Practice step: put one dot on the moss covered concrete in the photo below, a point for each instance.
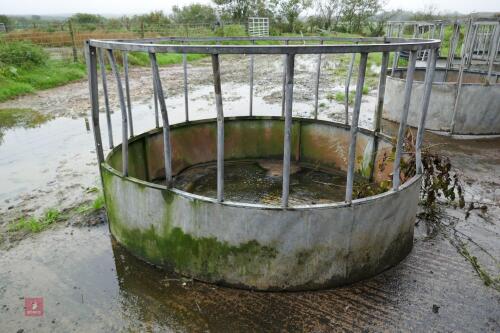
(207, 258)
(255, 247)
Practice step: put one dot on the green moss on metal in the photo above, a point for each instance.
(136, 162)
(204, 257)
(304, 256)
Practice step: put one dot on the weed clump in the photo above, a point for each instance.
(26, 67)
(21, 54)
(96, 205)
(34, 224)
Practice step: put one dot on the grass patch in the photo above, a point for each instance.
(15, 81)
(97, 204)
(25, 68)
(88, 214)
(142, 59)
(339, 97)
(35, 225)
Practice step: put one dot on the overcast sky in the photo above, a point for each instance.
(117, 7)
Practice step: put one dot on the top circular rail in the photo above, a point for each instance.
(378, 44)
(322, 45)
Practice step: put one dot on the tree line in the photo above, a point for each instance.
(352, 16)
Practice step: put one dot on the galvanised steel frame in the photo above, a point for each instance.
(481, 42)
(322, 45)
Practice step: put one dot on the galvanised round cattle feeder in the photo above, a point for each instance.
(465, 99)
(470, 108)
(289, 242)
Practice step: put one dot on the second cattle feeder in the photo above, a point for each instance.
(266, 203)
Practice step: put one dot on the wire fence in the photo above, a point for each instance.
(66, 39)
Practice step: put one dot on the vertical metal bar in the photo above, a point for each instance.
(468, 36)
(473, 42)
(251, 81)
(155, 97)
(186, 97)
(452, 49)
(91, 59)
(220, 128)
(429, 78)
(316, 86)
(432, 34)
(127, 91)
(395, 61)
(484, 34)
(493, 51)
(441, 36)
(354, 127)
(404, 116)
(284, 84)
(123, 109)
(287, 147)
(465, 53)
(106, 97)
(167, 148)
(381, 92)
(346, 91)
(377, 117)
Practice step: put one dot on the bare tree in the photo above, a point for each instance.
(289, 10)
(328, 11)
(355, 13)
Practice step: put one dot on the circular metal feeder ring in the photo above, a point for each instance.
(466, 90)
(475, 111)
(283, 244)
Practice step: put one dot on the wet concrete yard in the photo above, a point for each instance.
(89, 283)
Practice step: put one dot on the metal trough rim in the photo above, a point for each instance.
(354, 202)
(468, 71)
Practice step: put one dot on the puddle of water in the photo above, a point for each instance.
(260, 182)
(59, 155)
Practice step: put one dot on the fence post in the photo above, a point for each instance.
(73, 42)
(142, 29)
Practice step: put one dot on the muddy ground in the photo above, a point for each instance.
(89, 283)
(54, 165)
